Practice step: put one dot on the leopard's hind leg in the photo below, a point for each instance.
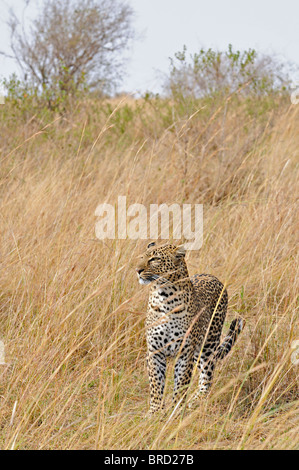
(206, 365)
(214, 351)
(206, 357)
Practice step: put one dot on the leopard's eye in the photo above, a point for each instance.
(153, 260)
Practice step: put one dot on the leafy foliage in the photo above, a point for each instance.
(211, 72)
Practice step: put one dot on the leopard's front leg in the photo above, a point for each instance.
(156, 366)
(183, 372)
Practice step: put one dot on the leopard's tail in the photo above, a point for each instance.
(235, 329)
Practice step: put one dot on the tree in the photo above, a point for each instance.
(208, 72)
(73, 43)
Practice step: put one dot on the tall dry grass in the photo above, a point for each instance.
(72, 312)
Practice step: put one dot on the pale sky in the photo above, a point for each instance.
(270, 26)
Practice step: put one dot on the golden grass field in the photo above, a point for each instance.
(71, 310)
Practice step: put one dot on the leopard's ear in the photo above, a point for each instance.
(151, 244)
(180, 252)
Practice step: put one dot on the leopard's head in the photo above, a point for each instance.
(164, 262)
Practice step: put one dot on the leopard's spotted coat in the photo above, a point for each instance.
(184, 318)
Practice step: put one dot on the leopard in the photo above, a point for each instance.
(184, 320)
